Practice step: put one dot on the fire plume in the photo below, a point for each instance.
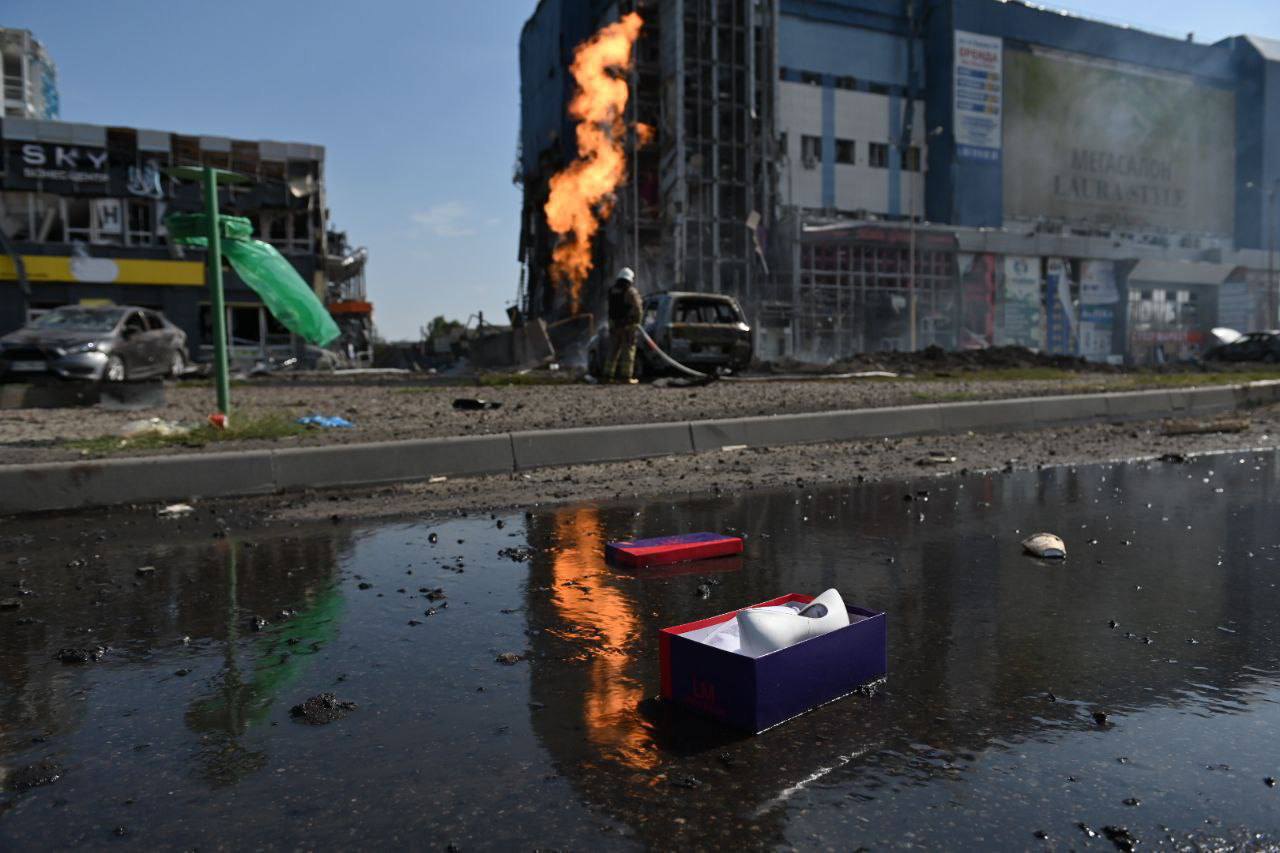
(582, 193)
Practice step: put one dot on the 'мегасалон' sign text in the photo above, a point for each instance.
(1105, 177)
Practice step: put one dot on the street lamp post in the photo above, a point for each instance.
(1273, 297)
(210, 178)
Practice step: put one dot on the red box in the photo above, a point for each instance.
(666, 550)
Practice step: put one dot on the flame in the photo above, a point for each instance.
(582, 193)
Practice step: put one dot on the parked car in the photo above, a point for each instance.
(704, 331)
(110, 344)
(1254, 346)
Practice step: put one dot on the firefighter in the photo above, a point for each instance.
(625, 310)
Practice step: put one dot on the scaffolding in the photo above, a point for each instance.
(852, 288)
(717, 59)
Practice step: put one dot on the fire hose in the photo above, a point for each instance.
(668, 360)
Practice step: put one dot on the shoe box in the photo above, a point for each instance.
(668, 550)
(755, 694)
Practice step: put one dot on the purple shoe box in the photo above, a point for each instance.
(754, 694)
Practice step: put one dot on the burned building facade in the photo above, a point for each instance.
(891, 174)
(82, 208)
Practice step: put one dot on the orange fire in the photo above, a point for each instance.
(582, 193)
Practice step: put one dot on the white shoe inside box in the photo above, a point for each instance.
(757, 631)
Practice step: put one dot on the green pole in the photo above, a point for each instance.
(222, 379)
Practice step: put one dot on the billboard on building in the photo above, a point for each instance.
(978, 96)
(1115, 146)
(1020, 317)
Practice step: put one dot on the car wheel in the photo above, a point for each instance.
(1270, 358)
(114, 371)
(177, 364)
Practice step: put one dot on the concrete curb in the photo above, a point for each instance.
(53, 486)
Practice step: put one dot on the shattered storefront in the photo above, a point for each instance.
(1171, 308)
(856, 288)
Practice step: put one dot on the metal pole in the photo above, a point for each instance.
(221, 378)
(911, 261)
(1272, 309)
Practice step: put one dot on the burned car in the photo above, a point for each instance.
(110, 344)
(703, 331)
(1254, 346)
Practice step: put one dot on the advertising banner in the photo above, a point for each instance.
(1098, 283)
(1060, 308)
(1116, 146)
(1020, 315)
(1098, 298)
(979, 96)
(1096, 323)
(977, 300)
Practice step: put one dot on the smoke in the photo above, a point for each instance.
(582, 193)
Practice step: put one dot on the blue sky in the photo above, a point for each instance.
(415, 101)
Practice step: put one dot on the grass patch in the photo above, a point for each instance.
(243, 428)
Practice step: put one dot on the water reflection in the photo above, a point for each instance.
(984, 731)
(989, 648)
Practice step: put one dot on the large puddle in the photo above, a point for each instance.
(181, 734)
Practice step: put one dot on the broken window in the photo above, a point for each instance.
(912, 163)
(300, 240)
(78, 215)
(141, 222)
(810, 151)
(878, 155)
(15, 215)
(845, 151)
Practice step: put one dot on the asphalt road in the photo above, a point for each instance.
(1127, 695)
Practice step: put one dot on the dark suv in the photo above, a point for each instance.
(704, 331)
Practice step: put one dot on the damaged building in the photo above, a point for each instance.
(82, 208)
(893, 174)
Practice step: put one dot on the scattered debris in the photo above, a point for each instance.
(326, 422)
(175, 510)
(71, 655)
(144, 571)
(475, 404)
(10, 604)
(936, 457)
(44, 772)
(1121, 837)
(1196, 427)
(1174, 458)
(1047, 545)
(436, 594)
(508, 659)
(322, 708)
(1101, 718)
(682, 781)
(522, 554)
(219, 421)
(147, 427)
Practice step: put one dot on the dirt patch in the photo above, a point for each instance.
(410, 409)
(725, 473)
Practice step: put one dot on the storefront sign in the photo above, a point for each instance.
(979, 96)
(49, 161)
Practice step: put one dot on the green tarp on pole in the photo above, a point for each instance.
(264, 269)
